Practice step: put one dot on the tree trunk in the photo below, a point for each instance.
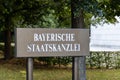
(7, 54)
(7, 40)
(78, 22)
(78, 62)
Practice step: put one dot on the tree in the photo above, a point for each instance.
(19, 12)
(78, 22)
(103, 10)
(97, 8)
(30, 13)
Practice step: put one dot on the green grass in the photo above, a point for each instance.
(13, 72)
(11, 75)
(52, 74)
(113, 74)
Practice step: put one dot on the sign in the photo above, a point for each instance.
(37, 42)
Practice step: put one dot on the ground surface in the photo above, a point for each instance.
(9, 71)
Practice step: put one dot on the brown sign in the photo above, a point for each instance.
(37, 42)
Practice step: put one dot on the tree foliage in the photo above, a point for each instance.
(103, 10)
(31, 13)
(35, 11)
(53, 13)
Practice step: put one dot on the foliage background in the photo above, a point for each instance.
(57, 14)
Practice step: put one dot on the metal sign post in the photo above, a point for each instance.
(79, 68)
(82, 68)
(29, 69)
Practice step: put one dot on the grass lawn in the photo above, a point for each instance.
(113, 74)
(13, 72)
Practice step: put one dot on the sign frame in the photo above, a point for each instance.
(25, 37)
